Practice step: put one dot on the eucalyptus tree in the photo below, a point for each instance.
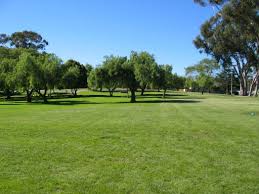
(24, 39)
(231, 37)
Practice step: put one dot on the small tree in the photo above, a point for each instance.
(129, 79)
(166, 77)
(8, 62)
(112, 72)
(144, 64)
(45, 73)
(70, 79)
(203, 73)
(24, 73)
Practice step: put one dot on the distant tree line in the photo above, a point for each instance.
(27, 68)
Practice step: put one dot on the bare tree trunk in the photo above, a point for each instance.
(243, 84)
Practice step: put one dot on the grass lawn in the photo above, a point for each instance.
(187, 143)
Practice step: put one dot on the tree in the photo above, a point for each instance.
(203, 73)
(24, 73)
(8, 62)
(231, 37)
(178, 81)
(82, 78)
(24, 39)
(112, 72)
(128, 77)
(45, 73)
(70, 79)
(166, 77)
(89, 69)
(144, 64)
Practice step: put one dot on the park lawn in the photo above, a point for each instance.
(187, 143)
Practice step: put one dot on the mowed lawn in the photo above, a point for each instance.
(187, 143)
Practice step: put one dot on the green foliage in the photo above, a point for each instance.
(203, 73)
(70, 79)
(25, 39)
(144, 64)
(82, 77)
(178, 82)
(231, 37)
(45, 73)
(112, 72)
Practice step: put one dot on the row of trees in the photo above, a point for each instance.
(231, 37)
(140, 70)
(27, 68)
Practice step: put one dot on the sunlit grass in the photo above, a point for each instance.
(186, 143)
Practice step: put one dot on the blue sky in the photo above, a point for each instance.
(87, 30)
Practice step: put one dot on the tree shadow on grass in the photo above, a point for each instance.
(163, 101)
(82, 102)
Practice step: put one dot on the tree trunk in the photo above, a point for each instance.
(74, 92)
(164, 93)
(133, 96)
(243, 85)
(256, 88)
(142, 91)
(43, 96)
(29, 95)
(8, 94)
(111, 92)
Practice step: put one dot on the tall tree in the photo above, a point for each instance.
(231, 37)
(24, 39)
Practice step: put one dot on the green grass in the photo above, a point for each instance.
(187, 143)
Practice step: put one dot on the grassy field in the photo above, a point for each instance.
(187, 143)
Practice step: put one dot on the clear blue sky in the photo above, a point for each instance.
(87, 30)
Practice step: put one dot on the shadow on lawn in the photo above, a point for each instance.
(68, 99)
(76, 102)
